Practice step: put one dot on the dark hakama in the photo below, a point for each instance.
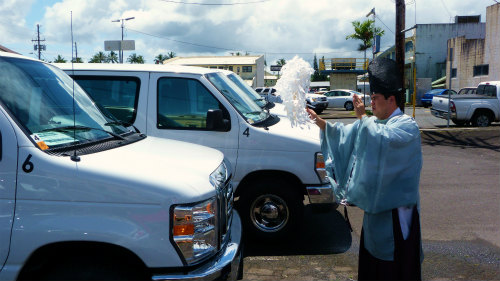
(406, 264)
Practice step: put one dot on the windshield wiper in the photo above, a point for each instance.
(124, 124)
(81, 128)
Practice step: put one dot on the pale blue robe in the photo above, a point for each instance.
(375, 165)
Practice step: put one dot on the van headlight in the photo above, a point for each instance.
(220, 175)
(195, 230)
(319, 167)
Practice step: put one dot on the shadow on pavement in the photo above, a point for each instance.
(488, 139)
(318, 234)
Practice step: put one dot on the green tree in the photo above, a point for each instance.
(317, 76)
(134, 58)
(281, 62)
(171, 55)
(99, 57)
(60, 59)
(160, 58)
(365, 31)
(112, 57)
(77, 60)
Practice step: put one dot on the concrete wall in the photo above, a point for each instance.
(259, 72)
(466, 54)
(431, 45)
(343, 81)
(492, 48)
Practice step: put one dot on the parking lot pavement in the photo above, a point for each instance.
(460, 218)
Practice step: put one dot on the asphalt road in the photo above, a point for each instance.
(460, 217)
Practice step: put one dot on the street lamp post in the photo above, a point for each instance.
(123, 25)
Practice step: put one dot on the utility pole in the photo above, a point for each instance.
(38, 47)
(400, 43)
(121, 43)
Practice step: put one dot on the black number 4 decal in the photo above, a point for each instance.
(246, 133)
(28, 165)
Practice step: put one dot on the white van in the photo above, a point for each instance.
(85, 198)
(275, 165)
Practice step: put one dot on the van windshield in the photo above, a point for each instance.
(40, 98)
(251, 111)
(248, 90)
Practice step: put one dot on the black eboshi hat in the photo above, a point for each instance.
(384, 77)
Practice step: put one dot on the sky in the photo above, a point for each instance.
(273, 28)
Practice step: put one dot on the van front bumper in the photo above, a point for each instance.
(225, 266)
(320, 194)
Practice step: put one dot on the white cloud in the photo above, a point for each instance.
(277, 28)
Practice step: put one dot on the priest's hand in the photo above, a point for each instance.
(359, 107)
(317, 120)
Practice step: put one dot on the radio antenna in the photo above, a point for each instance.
(73, 157)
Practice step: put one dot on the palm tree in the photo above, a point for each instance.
(365, 31)
(113, 57)
(171, 55)
(281, 62)
(99, 57)
(134, 58)
(77, 60)
(60, 59)
(160, 58)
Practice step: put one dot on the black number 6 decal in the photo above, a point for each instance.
(28, 165)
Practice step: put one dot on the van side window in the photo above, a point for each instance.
(118, 95)
(183, 104)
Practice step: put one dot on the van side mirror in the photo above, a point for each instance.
(216, 122)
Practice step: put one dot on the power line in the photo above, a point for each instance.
(384, 23)
(446, 8)
(229, 49)
(215, 4)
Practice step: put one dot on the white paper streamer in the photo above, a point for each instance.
(292, 88)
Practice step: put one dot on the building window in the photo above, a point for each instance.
(238, 69)
(213, 67)
(453, 73)
(231, 67)
(221, 67)
(481, 70)
(247, 68)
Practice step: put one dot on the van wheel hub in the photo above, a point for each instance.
(269, 213)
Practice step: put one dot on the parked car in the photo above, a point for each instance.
(274, 164)
(341, 98)
(317, 102)
(269, 94)
(274, 108)
(427, 97)
(84, 197)
(467, 91)
(480, 109)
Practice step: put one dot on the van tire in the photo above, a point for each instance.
(270, 208)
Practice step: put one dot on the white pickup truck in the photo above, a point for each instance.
(85, 198)
(275, 165)
(479, 109)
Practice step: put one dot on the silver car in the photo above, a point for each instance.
(342, 98)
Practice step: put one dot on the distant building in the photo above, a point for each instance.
(250, 68)
(426, 51)
(475, 60)
(5, 49)
(270, 79)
